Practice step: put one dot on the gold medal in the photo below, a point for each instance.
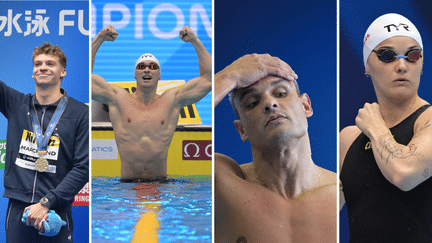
(41, 164)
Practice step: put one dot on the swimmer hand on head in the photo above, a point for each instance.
(248, 70)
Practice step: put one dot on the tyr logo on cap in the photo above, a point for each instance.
(147, 55)
(396, 26)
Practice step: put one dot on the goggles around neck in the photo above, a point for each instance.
(152, 66)
(389, 56)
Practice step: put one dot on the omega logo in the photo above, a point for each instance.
(197, 150)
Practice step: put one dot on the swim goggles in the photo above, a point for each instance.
(152, 66)
(389, 56)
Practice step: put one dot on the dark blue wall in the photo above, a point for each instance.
(303, 34)
(355, 88)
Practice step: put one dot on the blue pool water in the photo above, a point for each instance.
(183, 209)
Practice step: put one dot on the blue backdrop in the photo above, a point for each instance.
(304, 36)
(355, 88)
(153, 27)
(25, 25)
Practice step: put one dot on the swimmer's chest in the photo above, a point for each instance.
(264, 218)
(157, 115)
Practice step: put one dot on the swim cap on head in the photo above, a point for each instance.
(385, 27)
(147, 57)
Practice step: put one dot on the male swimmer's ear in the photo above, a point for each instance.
(240, 130)
(307, 105)
(63, 73)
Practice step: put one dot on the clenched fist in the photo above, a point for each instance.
(370, 121)
(187, 34)
(108, 33)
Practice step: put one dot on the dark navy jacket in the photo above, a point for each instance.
(71, 161)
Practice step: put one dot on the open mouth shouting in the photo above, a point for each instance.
(146, 77)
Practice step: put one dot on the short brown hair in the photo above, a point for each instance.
(49, 49)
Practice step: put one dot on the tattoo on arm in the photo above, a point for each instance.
(394, 150)
(426, 173)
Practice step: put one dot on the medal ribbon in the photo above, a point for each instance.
(42, 140)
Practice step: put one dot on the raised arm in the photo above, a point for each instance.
(404, 166)
(196, 88)
(248, 70)
(101, 90)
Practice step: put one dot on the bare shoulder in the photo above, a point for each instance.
(325, 189)
(349, 134)
(346, 138)
(328, 179)
(225, 165)
(328, 176)
(424, 121)
(168, 97)
(119, 93)
(249, 173)
(171, 91)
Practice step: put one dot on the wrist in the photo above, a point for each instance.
(45, 202)
(225, 80)
(377, 132)
(194, 40)
(98, 40)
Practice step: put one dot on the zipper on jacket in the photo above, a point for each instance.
(34, 187)
(8, 215)
(34, 181)
(69, 230)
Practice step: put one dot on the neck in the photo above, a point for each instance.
(286, 168)
(393, 112)
(146, 95)
(46, 96)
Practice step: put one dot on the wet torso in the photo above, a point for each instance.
(249, 212)
(143, 133)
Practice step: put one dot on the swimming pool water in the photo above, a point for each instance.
(182, 209)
